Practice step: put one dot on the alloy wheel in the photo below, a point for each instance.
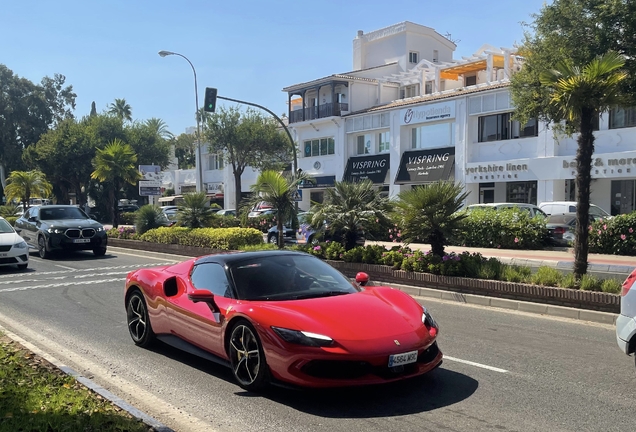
(138, 322)
(245, 355)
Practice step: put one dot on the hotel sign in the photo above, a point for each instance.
(427, 113)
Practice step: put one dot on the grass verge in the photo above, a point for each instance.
(36, 396)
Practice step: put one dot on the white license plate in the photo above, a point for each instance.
(402, 359)
(81, 240)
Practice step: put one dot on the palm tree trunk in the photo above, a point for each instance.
(436, 239)
(583, 183)
(281, 234)
(114, 212)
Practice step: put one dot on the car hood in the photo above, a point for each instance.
(10, 238)
(72, 223)
(376, 312)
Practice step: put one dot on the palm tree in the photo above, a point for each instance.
(430, 213)
(195, 212)
(120, 109)
(350, 208)
(117, 164)
(22, 185)
(580, 94)
(149, 217)
(159, 127)
(278, 190)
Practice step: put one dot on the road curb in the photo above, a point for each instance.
(148, 420)
(501, 303)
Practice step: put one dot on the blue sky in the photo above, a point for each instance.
(248, 49)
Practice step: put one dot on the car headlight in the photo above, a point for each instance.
(55, 230)
(303, 337)
(429, 322)
(20, 245)
(99, 229)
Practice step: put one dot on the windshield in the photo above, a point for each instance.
(58, 213)
(598, 212)
(288, 277)
(5, 227)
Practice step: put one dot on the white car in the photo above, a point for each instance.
(13, 249)
(562, 207)
(626, 321)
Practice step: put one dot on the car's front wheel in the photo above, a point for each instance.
(44, 254)
(247, 358)
(272, 238)
(138, 320)
(99, 251)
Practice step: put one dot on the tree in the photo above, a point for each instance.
(195, 212)
(430, 214)
(578, 95)
(277, 190)
(23, 185)
(149, 217)
(185, 150)
(159, 128)
(27, 110)
(246, 139)
(349, 208)
(116, 164)
(121, 110)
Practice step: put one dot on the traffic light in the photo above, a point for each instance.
(210, 99)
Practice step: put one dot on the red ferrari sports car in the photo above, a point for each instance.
(282, 317)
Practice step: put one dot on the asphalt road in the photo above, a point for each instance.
(504, 371)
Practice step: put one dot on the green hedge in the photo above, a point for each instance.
(127, 218)
(214, 238)
(615, 236)
(505, 228)
(11, 219)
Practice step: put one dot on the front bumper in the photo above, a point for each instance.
(625, 331)
(60, 242)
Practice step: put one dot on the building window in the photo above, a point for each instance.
(363, 144)
(319, 147)
(433, 136)
(383, 142)
(470, 80)
(428, 87)
(435, 56)
(215, 162)
(498, 127)
(410, 91)
(522, 192)
(414, 57)
(622, 117)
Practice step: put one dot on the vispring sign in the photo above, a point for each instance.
(428, 113)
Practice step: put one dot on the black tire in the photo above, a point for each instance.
(138, 320)
(44, 254)
(272, 238)
(22, 266)
(99, 251)
(312, 240)
(247, 357)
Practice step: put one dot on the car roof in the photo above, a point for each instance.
(235, 257)
(564, 218)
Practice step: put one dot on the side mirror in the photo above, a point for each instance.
(205, 296)
(32, 219)
(362, 278)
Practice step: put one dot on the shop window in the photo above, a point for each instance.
(433, 135)
(428, 87)
(622, 117)
(522, 192)
(414, 57)
(471, 80)
(215, 162)
(383, 142)
(410, 91)
(363, 144)
(498, 127)
(319, 147)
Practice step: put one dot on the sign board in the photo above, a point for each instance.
(150, 172)
(149, 188)
(297, 195)
(428, 113)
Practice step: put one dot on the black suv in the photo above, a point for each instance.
(51, 228)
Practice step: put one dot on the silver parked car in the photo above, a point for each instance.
(626, 321)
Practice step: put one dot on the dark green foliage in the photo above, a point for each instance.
(195, 211)
(149, 217)
(213, 238)
(615, 236)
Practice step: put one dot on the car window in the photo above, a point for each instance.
(212, 277)
(538, 211)
(598, 212)
(5, 227)
(572, 209)
(57, 213)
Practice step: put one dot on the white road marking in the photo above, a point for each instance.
(479, 365)
(97, 269)
(64, 267)
(62, 284)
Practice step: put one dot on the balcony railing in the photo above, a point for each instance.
(316, 112)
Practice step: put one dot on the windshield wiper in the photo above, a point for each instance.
(322, 294)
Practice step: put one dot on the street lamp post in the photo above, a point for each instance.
(196, 100)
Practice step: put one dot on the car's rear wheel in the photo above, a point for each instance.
(247, 358)
(99, 251)
(138, 320)
(272, 239)
(44, 254)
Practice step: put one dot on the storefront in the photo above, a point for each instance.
(317, 187)
(426, 166)
(372, 167)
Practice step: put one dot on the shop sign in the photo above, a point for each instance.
(425, 166)
(373, 167)
(427, 113)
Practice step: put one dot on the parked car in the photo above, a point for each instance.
(54, 228)
(561, 207)
(626, 320)
(127, 208)
(282, 316)
(561, 228)
(308, 234)
(289, 235)
(227, 212)
(264, 212)
(13, 249)
(530, 208)
(170, 213)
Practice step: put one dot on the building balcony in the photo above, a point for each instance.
(317, 112)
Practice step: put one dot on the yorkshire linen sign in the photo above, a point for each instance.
(427, 113)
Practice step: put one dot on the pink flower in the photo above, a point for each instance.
(516, 240)
(631, 230)
(599, 232)
(317, 248)
(604, 227)
(590, 228)
(391, 236)
(623, 236)
(377, 220)
(399, 234)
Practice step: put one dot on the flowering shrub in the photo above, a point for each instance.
(614, 236)
(126, 233)
(317, 249)
(261, 223)
(334, 251)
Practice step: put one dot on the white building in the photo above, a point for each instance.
(409, 114)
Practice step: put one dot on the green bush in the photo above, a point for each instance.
(590, 283)
(491, 268)
(569, 281)
(317, 250)
(505, 228)
(214, 238)
(334, 251)
(225, 222)
(515, 273)
(613, 286)
(547, 276)
(125, 233)
(11, 219)
(261, 223)
(259, 247)
(615, 236)
(127, 218)
(149, 217)
(353, 255)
